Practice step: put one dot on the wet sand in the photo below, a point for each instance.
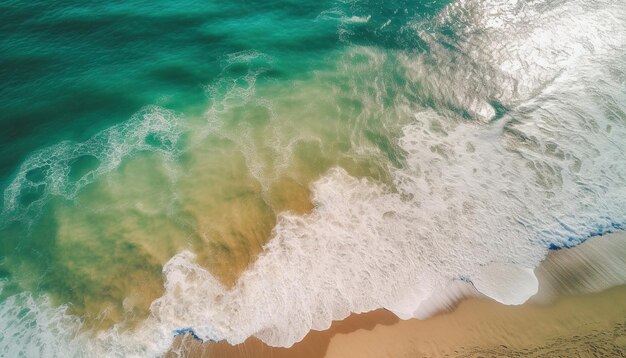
(568, 317)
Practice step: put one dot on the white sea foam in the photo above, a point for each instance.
(48, 172)
(32, 327)
(476, 202)
(356, 19)
(366, 246)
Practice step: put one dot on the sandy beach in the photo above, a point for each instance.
(311, 179)
(575, 313)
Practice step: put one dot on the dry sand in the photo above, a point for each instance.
(563, 320)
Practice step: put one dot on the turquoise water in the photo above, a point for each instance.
(70, 69)
(84, 66)
(194, 165)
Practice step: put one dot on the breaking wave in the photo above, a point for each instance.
(514, 147)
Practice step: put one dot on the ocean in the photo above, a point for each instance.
(262, 168)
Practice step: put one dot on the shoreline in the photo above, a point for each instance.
(580, 307)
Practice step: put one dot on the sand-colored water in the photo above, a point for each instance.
(563, 320)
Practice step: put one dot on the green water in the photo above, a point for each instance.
(451, 134)
(243, 81)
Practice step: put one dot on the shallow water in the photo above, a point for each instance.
(195, 166)
(568, 317)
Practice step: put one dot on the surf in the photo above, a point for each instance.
(392, 176)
